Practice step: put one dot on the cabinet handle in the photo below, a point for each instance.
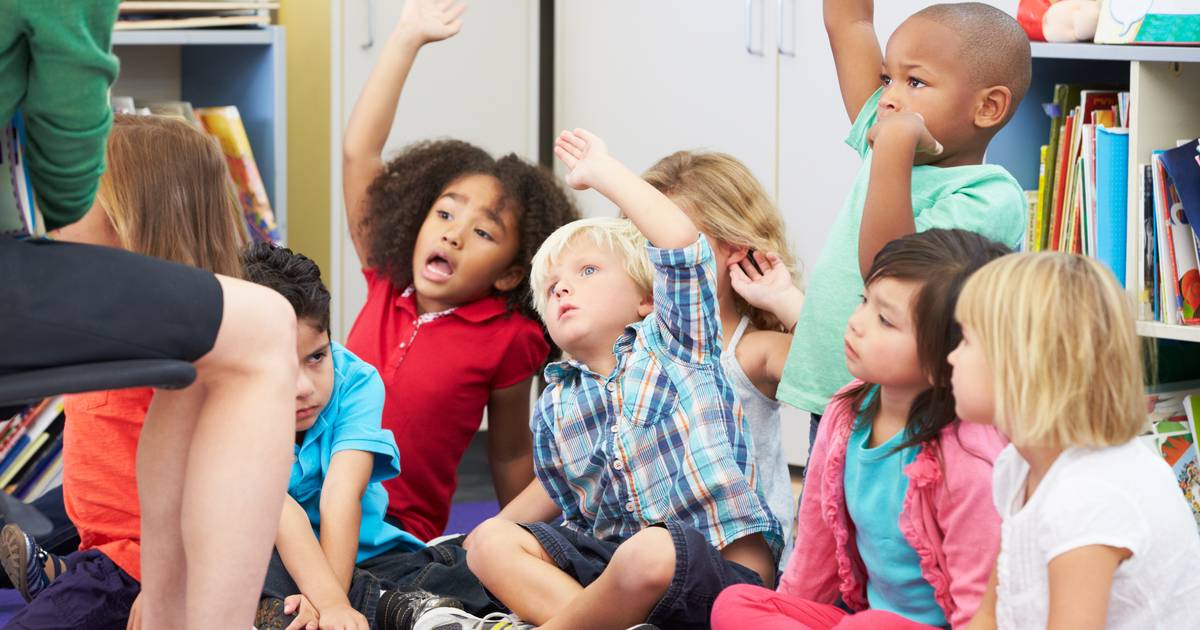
(366, 45)
(779, 41)
(750, 30)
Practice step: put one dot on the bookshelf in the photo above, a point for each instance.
(1164, 86)
(208, 67)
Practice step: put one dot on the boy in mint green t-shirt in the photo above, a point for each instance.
(923, 116)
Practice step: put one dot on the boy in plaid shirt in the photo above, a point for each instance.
(639, 442)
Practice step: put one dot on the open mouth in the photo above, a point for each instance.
(438, 267)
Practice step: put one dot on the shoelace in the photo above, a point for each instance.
(502, 621)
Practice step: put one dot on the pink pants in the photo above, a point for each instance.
(745, 606)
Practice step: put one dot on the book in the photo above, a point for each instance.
(1186, 464)
(19, 214)
(1112, 186)
(36, 468)
(1148, 22)
(1183, 168)
(188, 6)
(1037, 223)
(145, 23)
(225, 123)
(50, 478)
(14, 467)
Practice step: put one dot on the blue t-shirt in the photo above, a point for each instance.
(875, 488)
(351, 421)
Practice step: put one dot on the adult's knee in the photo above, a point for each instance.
(646, 562)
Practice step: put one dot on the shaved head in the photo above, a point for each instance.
(992, 44)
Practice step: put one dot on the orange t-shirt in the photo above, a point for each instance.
(100, 441)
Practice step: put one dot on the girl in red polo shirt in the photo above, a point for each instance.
(445, 233)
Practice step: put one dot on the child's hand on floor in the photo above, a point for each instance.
(768, 286)
(430, 20)
(342, 618)
(904, 125)
(585, 156)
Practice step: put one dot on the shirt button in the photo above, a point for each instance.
(614, 428)
(629, 506)
(612, 387)
(618, 465)
(403, 343)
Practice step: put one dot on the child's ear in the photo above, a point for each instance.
(735, 253)
(994, 105)
(646, 306)
(509, 279)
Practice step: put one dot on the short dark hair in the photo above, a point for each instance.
(992, 42)
(401, 196)
(294, 276)
(940, 261)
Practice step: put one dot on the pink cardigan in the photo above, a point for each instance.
(948, 517)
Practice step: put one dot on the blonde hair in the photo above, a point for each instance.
(620, 236)
(1058, 334)
(167, 193)
(728, 204)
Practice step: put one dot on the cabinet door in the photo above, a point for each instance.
(655, 77)
(479, 86)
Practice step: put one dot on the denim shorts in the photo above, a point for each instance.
(701, 572)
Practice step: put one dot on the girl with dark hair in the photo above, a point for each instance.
(445, 234)
(896, 520)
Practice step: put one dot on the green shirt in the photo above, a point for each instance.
(56, 64)
(981, 198)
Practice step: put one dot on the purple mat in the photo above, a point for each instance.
(465, 516)
(10, 603)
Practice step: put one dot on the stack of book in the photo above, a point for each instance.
(174, 14)
(1083, 176)
(224, 124)
(31, 450)
(1171, 432)
(19, 215)
(1169, 190)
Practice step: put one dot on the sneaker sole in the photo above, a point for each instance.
(16, 551)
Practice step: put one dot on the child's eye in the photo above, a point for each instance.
(484, 234)
(550, 289)
(862, 298)
(883, 320)
(588, 270)
(443, 215)
(885, 79)
(316, 357)
(915, 82)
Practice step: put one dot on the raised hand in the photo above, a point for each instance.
(585, 157)
(763, 280)
(431, 20)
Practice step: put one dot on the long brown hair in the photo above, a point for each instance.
(728, 204)
(940, 261)
(167, 192)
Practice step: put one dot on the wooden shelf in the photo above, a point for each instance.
(1169, 331)
(197, 37)
(1111, 52)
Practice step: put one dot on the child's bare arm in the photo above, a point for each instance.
(762, 355)
(857, 56)
(421, 22)
(590, 166)
(305, 561)
(1080, 583)
(888, 212)
(510, 444)
(341, 510)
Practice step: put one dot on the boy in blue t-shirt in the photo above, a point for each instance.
(332, 530)
(923, 113)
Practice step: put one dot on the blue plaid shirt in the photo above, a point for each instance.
(662, 438)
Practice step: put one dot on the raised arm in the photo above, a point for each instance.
(590, 166)
(857, 56)
(421, 22)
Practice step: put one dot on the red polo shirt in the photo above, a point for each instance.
(439, 370)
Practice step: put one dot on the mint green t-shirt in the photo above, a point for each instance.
(982, 198)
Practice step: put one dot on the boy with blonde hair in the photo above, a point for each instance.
(639, 442)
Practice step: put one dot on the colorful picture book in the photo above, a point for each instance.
(1148, 22)
(19, 214)
(1170, 246)
(31, 449)
(225, 123)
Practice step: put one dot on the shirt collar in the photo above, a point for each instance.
(479, 311)
(563, 370)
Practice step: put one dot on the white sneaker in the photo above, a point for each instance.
(458, 619)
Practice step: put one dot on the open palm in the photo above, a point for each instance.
(757, 287)
(432, 20)
(581, 152)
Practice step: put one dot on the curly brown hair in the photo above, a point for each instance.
(402, 195)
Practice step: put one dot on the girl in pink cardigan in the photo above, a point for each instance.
(896, 526)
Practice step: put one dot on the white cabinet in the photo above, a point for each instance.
(654, 77)
(479, 86)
